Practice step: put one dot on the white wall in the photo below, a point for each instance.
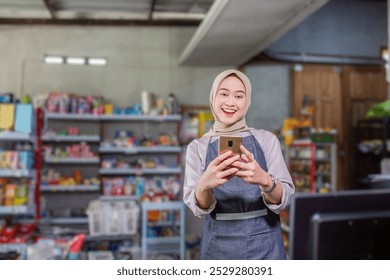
(271, 96)
(140, 58)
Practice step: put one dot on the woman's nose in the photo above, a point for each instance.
(229, 101)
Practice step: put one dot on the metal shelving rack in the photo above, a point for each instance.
(302, 167)
(152, 124)
(312, 164)
(174, 244)
(367, 161)
(329, 177)
(79, 192)
(34, 174)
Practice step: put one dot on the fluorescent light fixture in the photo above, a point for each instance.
(97, 61)
(54, 59)
(75, 60)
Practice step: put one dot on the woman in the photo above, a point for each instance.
(240, 196)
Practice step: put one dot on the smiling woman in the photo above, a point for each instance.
(230, 100)
(240, 195)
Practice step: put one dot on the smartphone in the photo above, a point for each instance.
(232, 143)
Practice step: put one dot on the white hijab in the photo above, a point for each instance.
(218, 127)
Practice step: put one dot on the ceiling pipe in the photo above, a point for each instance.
(327, 59)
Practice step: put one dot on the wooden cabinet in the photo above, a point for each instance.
(341, 95)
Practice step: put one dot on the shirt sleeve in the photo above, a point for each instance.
(277, 167)
(194, 168)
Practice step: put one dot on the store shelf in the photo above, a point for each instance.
(65, 221)
(16, 173)
(138, 171)
(71, 138)
(136, 150)
(16, 247)
(80, 117)
(76, 188)
(72, 160)
(164, 244)
(13, 210)
(371, 147)
(169, 205)
(155, 118)
(165, 240)
(117, 197)
(16, 136)
(163, 224)
(110, 237)
(313, 166)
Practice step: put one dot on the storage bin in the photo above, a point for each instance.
(113, 218)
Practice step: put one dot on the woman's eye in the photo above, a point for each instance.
(239, 96)
(223, 94)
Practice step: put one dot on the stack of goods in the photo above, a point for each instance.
(124, 138)
(17, 117)
(54, 178)
(82, 150)
(13, 194)
(151, 162)
(70, 103)
(148, 189)
(14, 160)
(18, 233)
(63, 103)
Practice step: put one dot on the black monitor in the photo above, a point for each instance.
(340, 225)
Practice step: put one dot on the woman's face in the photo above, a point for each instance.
(230, 100)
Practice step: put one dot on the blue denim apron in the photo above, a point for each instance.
(241, 226)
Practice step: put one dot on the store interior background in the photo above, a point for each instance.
(341, 33)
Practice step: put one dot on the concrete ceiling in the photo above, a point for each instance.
(235, 31)
(104, 12)
(230, 32)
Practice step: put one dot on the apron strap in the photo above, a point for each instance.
(241, 216)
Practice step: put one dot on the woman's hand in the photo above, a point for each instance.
(250, 171)
(219, 171)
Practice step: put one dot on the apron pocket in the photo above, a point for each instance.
(225, 248)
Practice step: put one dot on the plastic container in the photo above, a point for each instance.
(113, 217)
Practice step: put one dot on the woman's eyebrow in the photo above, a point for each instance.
(229, 90)
(223, 89)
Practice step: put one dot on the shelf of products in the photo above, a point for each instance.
(163, 227)
(325, 166)
(121, 159)
(18, 165)
(372, 150)
(140, 161)
(69, 140)
(300, 159)
(19, 177)
(313, 166)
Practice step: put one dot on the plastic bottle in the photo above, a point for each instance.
(174, 106)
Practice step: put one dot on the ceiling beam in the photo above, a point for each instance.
(97, 22)
(50, 8)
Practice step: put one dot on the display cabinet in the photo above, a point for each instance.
(163, 232)
(313, 166)
(371, 147)
(300, 159)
